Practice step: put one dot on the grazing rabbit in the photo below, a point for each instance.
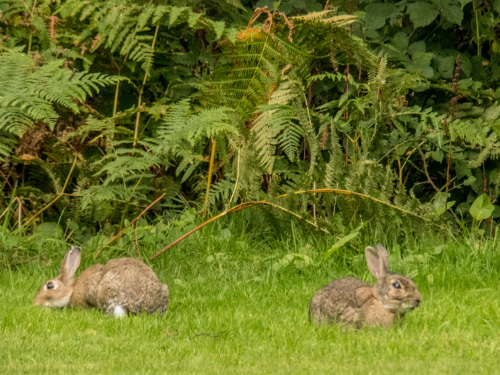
(121, 286)
(356, 303)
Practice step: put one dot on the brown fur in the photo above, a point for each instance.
(125, 282)
(355, 303)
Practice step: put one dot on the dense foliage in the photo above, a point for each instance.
(104, 106)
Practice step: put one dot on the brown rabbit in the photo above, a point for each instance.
(356, 303)
(121, 286)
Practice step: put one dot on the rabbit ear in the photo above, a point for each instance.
(376, 262)
(70, 264)
(383, 253)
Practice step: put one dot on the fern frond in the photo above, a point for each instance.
(314, 15)
(183, 125)
(28, 92)
(492, 112)
(220, 191)
(323, 16)
(275, 118)
(7, 143)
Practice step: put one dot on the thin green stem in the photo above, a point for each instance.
(32, 13)
(115, 102)
(237, 177)
(128, 200)
(29, 42)
(477, 33)
(117, 90)
(56, 198)
(210, 171)
(146, 74)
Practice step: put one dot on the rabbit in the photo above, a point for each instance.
(356, 303)
(121, 286)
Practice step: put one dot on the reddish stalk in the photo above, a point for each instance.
(243, 206)
(129, 224)
(453, 105)
(12, 188)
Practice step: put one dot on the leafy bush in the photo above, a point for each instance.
(394, 101)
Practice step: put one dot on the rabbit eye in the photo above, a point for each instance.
(50, 285)
(396, 285)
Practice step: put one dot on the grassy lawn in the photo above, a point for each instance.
(234, 308)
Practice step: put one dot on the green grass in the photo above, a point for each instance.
(233, 313)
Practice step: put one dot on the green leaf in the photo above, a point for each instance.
(49, 230)
(482, 208)
(462, 208)
(441, 204)
(422, 14)
(299, 4)
(496, 212)
(465, 66)
(494, 174)
(237, 4)
(422, 58)
(218, 27)
(477, 85)
(175, 12)
(465, 83)
(131, 65)
(181, 283)
(439, 249)
(470, 180)
(313, 6)
(421, 63)
(340, 243)
(401, 128)
(446, 67)
(495, 47)
(438, 155)
(441, 210)
(400, 41)
(495, 3)
(376, 14)
(451, 11)
(293, 259)
(231, 34)
(72, 225)
(416, 47)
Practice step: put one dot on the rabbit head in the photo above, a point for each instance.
(394, 291)
(57, 292)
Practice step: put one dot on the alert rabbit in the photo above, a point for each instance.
(121, 286)
(356, 303)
